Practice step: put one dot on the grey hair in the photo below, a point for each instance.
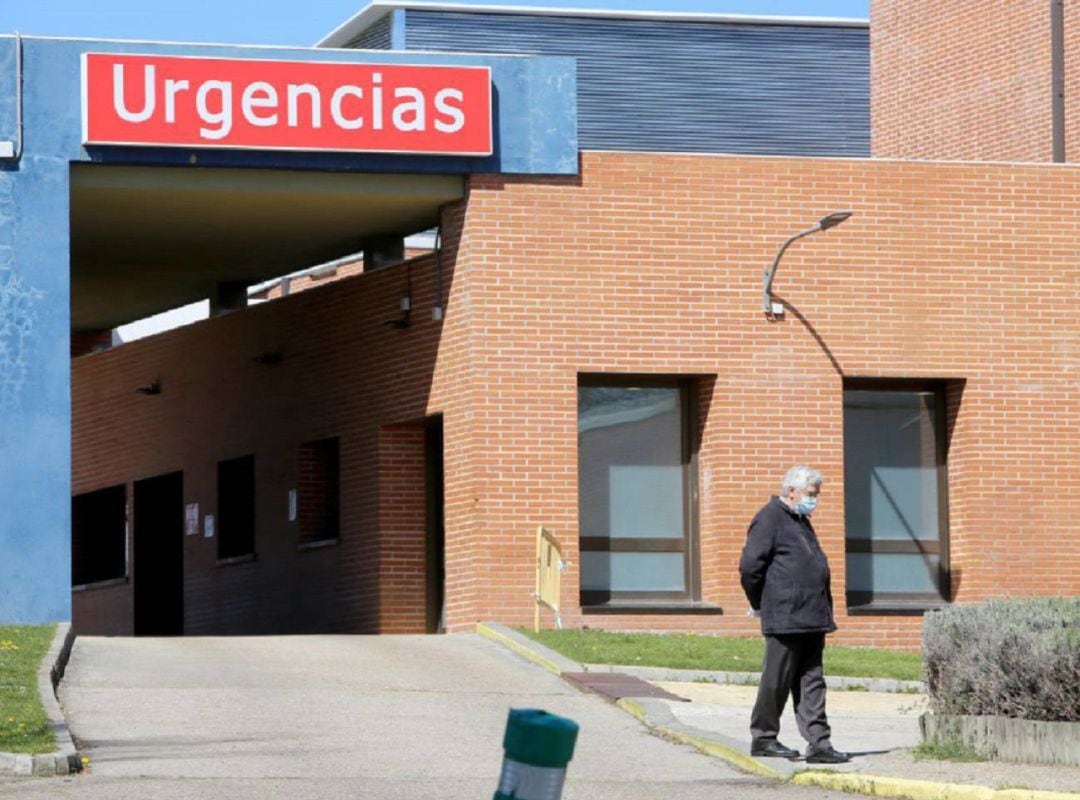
(800, 477)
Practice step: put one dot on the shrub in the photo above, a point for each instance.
(1012, 658)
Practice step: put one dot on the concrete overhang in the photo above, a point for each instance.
(147, 239)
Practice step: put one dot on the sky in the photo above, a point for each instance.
(286, 22)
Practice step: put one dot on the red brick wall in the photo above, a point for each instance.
(343, 373)
(303, 282)
(964, 79)
(106, 610)
(401, 529)
(318, 490)
(946, 270)
(644, 264)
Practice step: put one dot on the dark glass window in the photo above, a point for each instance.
(236, 507)
(99, 536)
(635, 480)
(895, 502)
(318, 490)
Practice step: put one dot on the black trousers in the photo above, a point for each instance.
(792, 666)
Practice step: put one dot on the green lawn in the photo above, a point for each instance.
(727, 654)
(23, 726)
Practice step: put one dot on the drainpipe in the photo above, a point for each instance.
(437, 311)
(13, 150)
(1057, 69)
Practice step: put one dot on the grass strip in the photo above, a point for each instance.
(23, 725)
(946, 750)
(717, 653)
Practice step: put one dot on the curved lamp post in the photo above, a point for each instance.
(831, 221)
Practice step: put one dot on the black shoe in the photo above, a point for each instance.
(827, 756)
(773, 750)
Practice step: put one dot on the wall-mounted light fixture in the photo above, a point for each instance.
(831, 221)
(150, 388)
(404, 321)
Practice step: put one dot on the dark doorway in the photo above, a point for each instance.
(158, 558)
(435, 539)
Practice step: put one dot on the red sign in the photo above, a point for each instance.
(285, 105)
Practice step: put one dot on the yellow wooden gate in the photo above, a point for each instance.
(549, 569)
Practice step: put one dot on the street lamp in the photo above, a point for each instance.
(831, 221)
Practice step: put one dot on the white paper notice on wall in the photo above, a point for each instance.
(208, 526)
(191, 519)
(292, 505)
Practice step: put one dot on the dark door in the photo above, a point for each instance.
(435, 549)
(158, 560)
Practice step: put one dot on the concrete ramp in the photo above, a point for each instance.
(345, 716)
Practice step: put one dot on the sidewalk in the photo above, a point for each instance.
(877, 728)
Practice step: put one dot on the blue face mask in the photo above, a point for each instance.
(806, 505)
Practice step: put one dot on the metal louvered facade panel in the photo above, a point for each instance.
(377, 37)
(688, 86)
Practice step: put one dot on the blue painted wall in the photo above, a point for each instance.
(535, 133)
(35, 427)
(688, 86)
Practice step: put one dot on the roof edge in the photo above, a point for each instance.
(377, 9)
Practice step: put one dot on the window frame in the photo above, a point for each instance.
(597, 599)
(869, 601)
(120, 489)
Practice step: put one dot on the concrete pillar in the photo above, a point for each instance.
(228, 296)
(381, 251)
(83, 342)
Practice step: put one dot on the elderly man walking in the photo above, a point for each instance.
(785, 575)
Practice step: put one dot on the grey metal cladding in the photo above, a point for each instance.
(688, 86)
(376, 37)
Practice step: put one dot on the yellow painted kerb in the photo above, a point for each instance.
(906, 789)
(517, 647)
(872, 785)
(707, 746)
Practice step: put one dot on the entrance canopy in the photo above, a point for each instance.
(147, 239)
(190, 171)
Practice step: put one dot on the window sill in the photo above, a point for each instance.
(105, 584)
(247, 558)
(895, 609)
(316, 544)
(658, 607)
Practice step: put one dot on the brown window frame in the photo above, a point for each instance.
(689, 543)
(872, 602)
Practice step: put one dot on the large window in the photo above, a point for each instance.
(236, 507)
(318, 504)
(636, 483)
(895, 501)
(99, 536)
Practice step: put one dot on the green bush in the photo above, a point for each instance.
(1011, 658)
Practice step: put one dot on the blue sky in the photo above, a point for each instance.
(286, 22)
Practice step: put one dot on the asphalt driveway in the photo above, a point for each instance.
(344, 716)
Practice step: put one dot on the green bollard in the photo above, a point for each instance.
(537, 747)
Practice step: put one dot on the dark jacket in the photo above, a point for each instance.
(785, 573)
